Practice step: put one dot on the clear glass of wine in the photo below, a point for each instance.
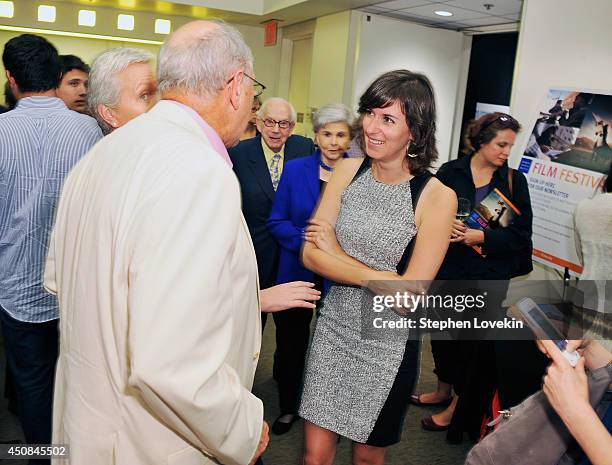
(464, 209)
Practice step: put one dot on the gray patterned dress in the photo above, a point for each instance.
(348, 379)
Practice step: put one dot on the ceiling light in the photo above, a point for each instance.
(87, 18)
(162, 26)
(7, 9)
(443, 13)
(125, 22)
(46, 13)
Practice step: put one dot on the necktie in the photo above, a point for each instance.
(275, 170)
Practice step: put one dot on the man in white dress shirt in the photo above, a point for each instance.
(156, 275)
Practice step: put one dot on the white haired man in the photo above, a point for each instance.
(258, 163)
(157, 278)
(122, 87)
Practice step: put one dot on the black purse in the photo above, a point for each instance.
(523, 263)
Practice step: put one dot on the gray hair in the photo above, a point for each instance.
(104, 88)
(262, 113)
(332, 113)
(203, 65)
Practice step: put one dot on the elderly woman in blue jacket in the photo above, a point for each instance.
(297, 195)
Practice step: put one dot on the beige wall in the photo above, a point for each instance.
(386, 44)
(267, 59)
(329, 58)
(349, 52)
(327, 80)
(87, 49)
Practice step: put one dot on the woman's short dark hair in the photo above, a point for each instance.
(608, 184)
(415, 95)
(484, 129)
(33, 62)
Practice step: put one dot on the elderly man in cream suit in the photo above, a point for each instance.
(156, 275)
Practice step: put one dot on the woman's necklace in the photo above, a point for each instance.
(325, 166)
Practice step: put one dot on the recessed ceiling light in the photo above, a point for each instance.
(162, 26)
(87, 18)
(125, 22)
(443, 13)
(7, 9)
(46, 13)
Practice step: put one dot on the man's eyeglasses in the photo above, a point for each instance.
(258, 87)
(283, 124)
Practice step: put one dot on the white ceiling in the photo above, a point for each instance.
(466, 13)
(249, 12)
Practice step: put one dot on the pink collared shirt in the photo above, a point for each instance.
(210, 133)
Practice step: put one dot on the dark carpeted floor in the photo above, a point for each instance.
(417, 447)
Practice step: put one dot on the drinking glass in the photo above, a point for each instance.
(464, 209)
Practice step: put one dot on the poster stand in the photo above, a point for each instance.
(566, 281)
(565, 160)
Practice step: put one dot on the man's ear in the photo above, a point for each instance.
(108, 115)
(235, 89)
(10, 78)
(12, 84)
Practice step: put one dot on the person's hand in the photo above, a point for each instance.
(391, 285)
(458, 231)
(576, 344)
(296, 294)
(263, 443)
(473, 236)
(323, 235)
(595, 355)
(565, 387)
(382, 282)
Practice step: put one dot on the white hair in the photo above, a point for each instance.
(104, 87)
(262, 113)
(332, 113)
(203, 65)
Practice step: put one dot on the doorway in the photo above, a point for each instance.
(299, 84)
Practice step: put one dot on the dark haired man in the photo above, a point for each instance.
(73, 84)
(40, 141)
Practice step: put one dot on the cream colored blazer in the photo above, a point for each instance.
(156, 277)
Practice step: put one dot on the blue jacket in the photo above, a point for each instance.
(296, 199)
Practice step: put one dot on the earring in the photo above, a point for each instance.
(411, 155)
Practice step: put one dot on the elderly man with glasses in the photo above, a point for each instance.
(258, 163)
(156, 276)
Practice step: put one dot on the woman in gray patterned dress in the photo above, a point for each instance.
(355, 387)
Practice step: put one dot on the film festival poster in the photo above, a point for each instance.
(566, 158)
